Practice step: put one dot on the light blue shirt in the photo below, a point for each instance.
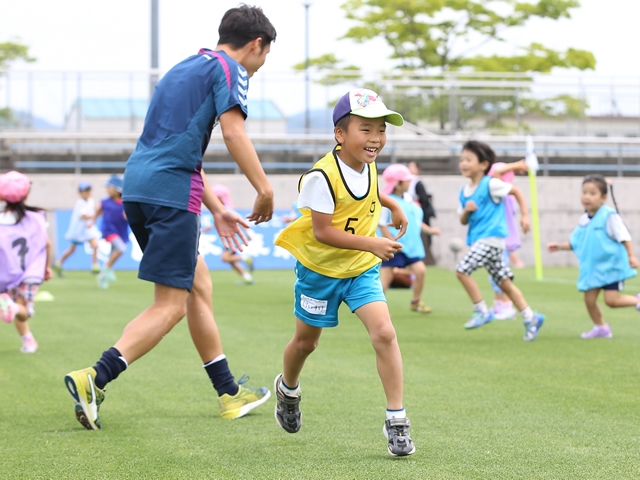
(411, 241)
(603, 260)
(489, 219)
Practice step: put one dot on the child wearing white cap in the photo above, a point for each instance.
(338, 259)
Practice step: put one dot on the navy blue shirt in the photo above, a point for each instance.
(164, 168)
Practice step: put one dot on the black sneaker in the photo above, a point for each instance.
(396, 430)
(287, 411)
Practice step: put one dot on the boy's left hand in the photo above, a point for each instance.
(48, 273)
(228, 225)
(633, 262)
(524, 223)
(398, 221)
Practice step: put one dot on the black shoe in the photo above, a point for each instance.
(396, 430)
(287, 411)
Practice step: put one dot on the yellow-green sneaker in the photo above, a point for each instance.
(244, 401)
(86, 397)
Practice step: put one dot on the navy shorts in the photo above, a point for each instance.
(169, 239)
(614, 286)
(399, 260)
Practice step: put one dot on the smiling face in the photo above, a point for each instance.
(470, 166)
(592, 197)
(361, 140)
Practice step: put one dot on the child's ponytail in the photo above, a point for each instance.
(615, 204)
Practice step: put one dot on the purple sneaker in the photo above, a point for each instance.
(598, 332)
(637, 295)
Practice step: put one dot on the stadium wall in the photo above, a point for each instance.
(558, 197)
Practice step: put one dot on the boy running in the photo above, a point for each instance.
(482, 209)
(338, 258)
(164, 187)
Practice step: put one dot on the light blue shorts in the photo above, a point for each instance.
(318, 297)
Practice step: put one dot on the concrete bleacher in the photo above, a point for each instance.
(65, 152)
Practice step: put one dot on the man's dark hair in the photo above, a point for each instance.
(483, 151)
(244, 24)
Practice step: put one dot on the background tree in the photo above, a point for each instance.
(444, 37)
(9, 53)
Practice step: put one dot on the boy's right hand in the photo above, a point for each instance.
(262, 208)
(470, 206)
(384, 248)
(553, 247)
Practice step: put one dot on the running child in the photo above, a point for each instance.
(398, 179)
(115, 228)
(228, 256)
(81, 229)
(338, 259)
(24, 255)
(502, 308)
(603, 245)
(482, 208)
(164, 189)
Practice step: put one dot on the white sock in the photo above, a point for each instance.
(27, 336)
(527, 314)
(480, 307)
(396, 414)
(290, 392)
(247, 276)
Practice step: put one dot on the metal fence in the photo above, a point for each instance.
(497, 103)
(436, 154)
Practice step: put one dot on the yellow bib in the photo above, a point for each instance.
(358, 216)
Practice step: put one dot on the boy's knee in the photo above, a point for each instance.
(305, 346)
(610, 301)
(384, 335)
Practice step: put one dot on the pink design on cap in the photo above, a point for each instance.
(14, 186)
(393, 174)
(223, 193)
(505, 177)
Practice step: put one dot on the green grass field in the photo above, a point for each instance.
(483, 404)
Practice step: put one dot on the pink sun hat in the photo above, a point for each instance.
(14, 186)
(393, 174)
(223, 193)
(505, 177)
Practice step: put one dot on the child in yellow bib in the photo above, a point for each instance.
(338, 258)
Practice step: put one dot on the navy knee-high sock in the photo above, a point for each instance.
(221, 377)
(110, 365)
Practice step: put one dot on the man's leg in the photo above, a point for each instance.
(234, 400)
(141, 334)
(146, 330)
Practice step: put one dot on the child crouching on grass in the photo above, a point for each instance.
(602, 243)
(482, 208)
(24, 255)
(338, 259)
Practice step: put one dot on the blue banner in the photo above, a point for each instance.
(261, 248)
